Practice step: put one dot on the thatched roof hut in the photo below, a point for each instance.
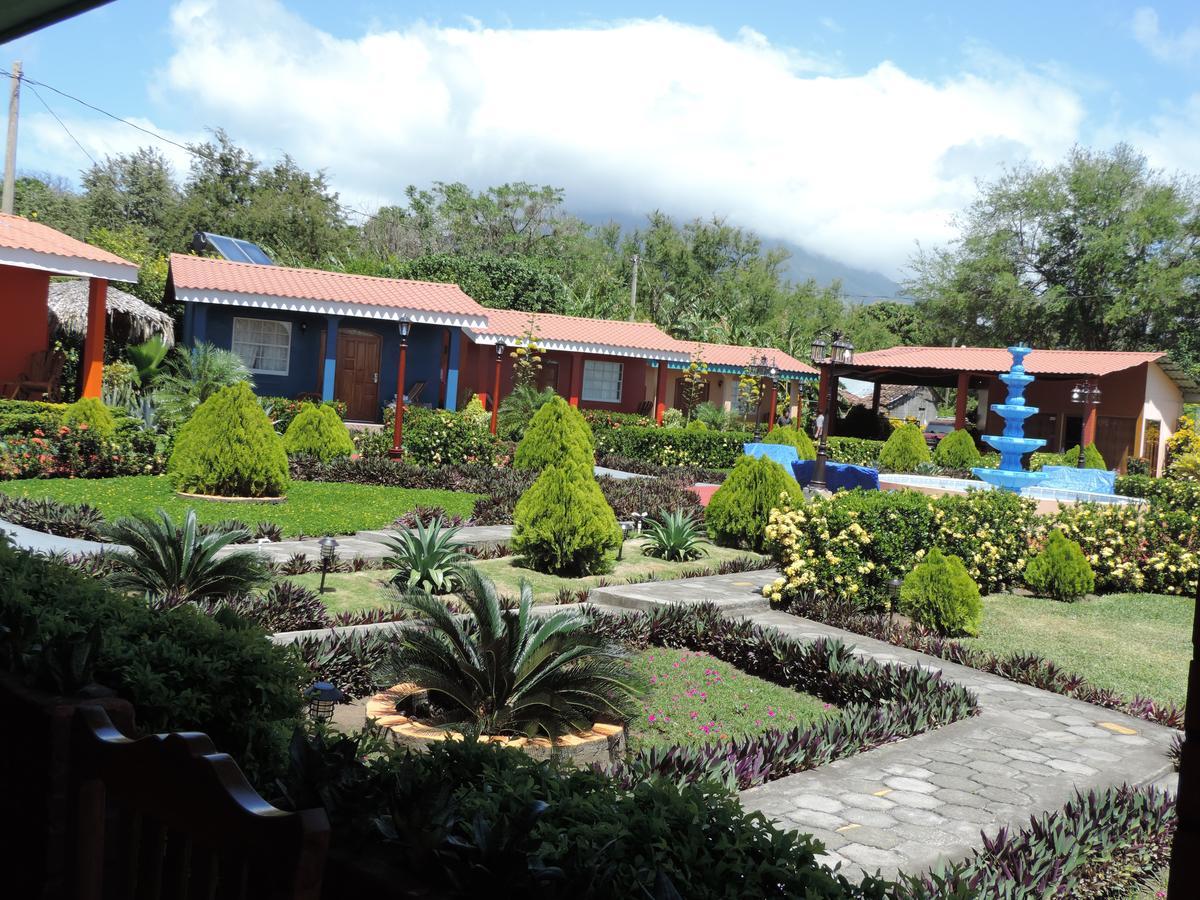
(129, 319)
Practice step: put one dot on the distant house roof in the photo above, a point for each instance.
(577, 333)
(32, 245)
(730, 357)
(990, 360)
(196, 279)
(68, 303)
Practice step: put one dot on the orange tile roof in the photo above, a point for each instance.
(18, 233)
(1096, 363)
(733, 355)
(198, 274)
(550, 327)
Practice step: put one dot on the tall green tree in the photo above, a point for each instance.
(133, 189)
(1098, 252)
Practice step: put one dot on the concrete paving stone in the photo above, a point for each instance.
(985, 765)
(816, 802)
(1023, 754)
(873, 817)
(907, 771)
(880, 838)
(968, 814)
(1000, 780)
(990, 756)
(866, 801)
(958, 782)
(1073, 768)
(1131, 740)
(916, 785)
(871, 858)
(1073, 720)
(1090, 731)
(1031, 768)
(1004, 795)
(961, 798)
(1096, 755)
(911, 800)
(816, 819)
(918, 817)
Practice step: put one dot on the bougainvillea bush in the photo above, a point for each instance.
(879, 702)
(852, 544)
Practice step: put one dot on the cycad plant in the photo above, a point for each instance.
(192, 376)
(171, 563)
(675, 536)
(497, 671)
(427, 557)
(517, 409)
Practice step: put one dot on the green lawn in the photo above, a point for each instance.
(1129, 643)
(311, 508)
(353, 591)
(695, 697)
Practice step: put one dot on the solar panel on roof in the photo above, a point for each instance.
(233, 249)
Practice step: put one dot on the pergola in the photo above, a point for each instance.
(30, 253)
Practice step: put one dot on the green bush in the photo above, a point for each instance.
(1185, 467)
(557, 435)
(24, 417)
(904, 450)
(674, 446)
(282, 410)
(1091, 457)
(433, 437)
(182, 670)
(855, 451)
(791, 437)
(738, 512)
(939, 594)
(957, 450)
(229, 448)
(563, 525)
(1060, 571)
(318, 431)
(92, 414)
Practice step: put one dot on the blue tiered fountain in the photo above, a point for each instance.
(1013, 444)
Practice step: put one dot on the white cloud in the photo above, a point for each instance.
(628, 117)
(1180, 48)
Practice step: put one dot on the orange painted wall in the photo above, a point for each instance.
(26, 327)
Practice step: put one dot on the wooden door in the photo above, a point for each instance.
(357, 380)
(1114, 439)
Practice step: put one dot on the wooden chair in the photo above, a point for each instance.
(42, 380)
(412, 397)
(644, 407)
(168, 817)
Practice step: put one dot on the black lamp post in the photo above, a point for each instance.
(1087, 395)
(496, 387)
(758, 367)
(837, 352)
(328, 551)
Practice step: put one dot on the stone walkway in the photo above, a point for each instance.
(911, 805)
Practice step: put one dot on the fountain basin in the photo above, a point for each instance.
(1047, 498)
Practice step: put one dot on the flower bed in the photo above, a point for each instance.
(879, 703)
(1026, 668)
(77, 452)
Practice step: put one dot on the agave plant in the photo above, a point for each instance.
(172, 563)
(498, 671)
(675, 536)
(427, 557)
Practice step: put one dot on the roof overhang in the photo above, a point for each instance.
(512, 340)
(726, 369)
(1187, 383)
(20, 17)
(67, 265)
(328, 308)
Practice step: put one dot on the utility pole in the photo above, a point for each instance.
(10, 149)
(633, 289)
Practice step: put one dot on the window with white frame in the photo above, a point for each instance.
(602, 381)
(264, 345)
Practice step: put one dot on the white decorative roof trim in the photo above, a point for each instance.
(68, 265)
(513, 340)
(329, 308)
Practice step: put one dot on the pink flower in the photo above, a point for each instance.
(653, 717)
(771, 712)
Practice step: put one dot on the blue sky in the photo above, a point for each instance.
(853, 130)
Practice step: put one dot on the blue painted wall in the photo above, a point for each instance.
(306, 365)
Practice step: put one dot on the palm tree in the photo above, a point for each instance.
(507, 672)
(192, 376)
(172, 563)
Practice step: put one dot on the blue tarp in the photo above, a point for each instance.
(783, 454)
(838, 476)
(1094, 481)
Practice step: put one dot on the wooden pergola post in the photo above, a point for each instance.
(960, 400)
(660, 393)
(92, 364)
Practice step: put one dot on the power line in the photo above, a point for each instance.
(83, 149)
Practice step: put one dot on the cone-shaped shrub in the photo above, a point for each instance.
(229, 448)
(957, 450)
(904, 450)
(91, 412)
(1092, 458)
(940, 594)
(738, 512)
(317, 431)
(790, 437)
(1060, 571)
(563, 525)
(557, 435)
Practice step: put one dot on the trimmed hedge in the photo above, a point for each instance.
(27, 416)
(904, 450)
(90, 414)
(318, 431)
(229, 448)
(939, 594)
(790, 437)
(1060, 571)
(957, 450)
(738, 512)
(674, 446)
(283, 410)
(563, 525)
(557, 435)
